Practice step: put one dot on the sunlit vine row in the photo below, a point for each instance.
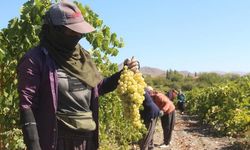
(225, 107)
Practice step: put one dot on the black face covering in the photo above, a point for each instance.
(62, 41)
(69, 55)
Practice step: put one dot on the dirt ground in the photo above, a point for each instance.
(188, 134)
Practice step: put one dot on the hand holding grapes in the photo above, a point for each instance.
(131, 91)
(132, 64)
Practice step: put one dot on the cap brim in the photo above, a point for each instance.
(81, 27)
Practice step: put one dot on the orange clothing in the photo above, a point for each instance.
(163, 102)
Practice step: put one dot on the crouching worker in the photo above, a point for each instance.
(149, 115)
(156, 104)
(167, 119)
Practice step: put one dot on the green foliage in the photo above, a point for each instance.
(209, 79)
(172, 80)
(116, 132)
(103, 42)
(16, 142)
(222, 101)
(225, 106)
(177, 80)
(173, 75)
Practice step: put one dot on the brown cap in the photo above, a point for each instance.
(67, 14)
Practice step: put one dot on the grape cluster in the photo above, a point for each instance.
(131, 91)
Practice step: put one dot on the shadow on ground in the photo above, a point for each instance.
(194, 126)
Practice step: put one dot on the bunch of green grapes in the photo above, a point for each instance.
(131, 91)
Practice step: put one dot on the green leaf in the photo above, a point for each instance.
(113, 37)
(106, 31)
(105, 44)
(1, 52)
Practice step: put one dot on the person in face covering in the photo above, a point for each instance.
(59, 85)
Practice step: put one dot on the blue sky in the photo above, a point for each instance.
(192, 35)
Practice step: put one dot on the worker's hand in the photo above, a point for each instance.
(161, 113)
(132, 64)
(169, 107)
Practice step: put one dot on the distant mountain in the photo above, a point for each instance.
(153, 72)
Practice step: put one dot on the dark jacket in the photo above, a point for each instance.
(38, 88)
(150, 110)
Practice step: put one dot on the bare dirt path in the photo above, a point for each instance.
(188, 134)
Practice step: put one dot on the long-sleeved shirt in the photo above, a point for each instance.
(38, 91)
(150, 110)
(163, 102)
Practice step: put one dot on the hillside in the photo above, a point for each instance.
(153, 72)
